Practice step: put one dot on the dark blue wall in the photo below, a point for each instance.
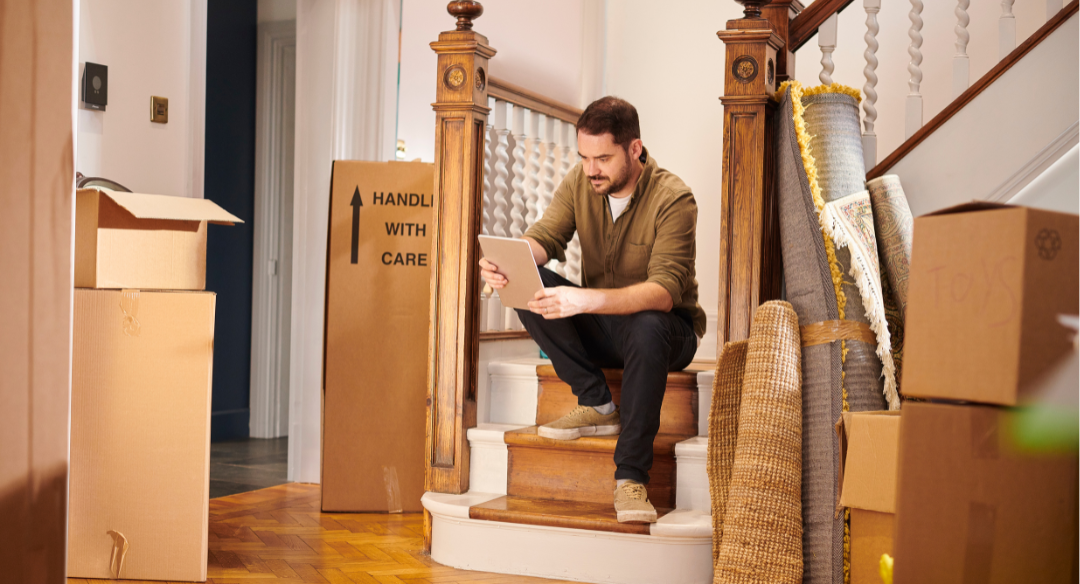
(230, 182)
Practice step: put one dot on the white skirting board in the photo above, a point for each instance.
(568, 554)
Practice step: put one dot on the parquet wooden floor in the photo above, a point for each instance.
(279, 536)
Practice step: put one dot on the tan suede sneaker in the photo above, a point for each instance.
(632, 504)
(582, 421)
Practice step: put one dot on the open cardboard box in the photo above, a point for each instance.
(987, 284)
(868, 454)
(131, 240)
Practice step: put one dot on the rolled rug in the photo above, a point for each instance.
(894, 225)
(831, 114)
(762, 530)
(809, 270)
(723, 430)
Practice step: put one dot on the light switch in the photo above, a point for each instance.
(159, 109)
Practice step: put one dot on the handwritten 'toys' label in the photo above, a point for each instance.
(984, 288)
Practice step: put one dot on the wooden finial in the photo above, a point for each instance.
(752, 8)
(466, 11)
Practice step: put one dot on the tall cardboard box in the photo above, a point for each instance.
(140, 434)
(131, 240)
(377, 288)
(972, 507)
(987, 284)
(868, 455)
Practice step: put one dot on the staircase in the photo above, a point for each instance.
(543, 507)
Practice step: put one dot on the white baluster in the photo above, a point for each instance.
(961, 63)
(511, 322)
(517, 168)
(532, 171)
(488, 212)
(827, 42)
(914, 103)
(547, 182)
(1053, 7)
(500, 225)
(567, 155)
(869, 138)
(488, 217)
(1006, 29)
(500, 221)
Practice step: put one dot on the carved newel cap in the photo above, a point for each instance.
(752, 8)
(466, 11)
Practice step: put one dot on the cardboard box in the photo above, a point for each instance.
(868, 455)
(378, 283)
(140, 434)
(129, 240)
(987, 284)
(971, 507)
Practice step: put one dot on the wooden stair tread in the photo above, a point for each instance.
(558, 513)
(686, 376)
(679, 414)
(663, 444)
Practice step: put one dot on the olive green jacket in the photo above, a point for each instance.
(652, 241)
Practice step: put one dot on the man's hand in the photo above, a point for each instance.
(563, 301)
(489, 272)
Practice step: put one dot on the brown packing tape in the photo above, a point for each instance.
(119, 552)
(821, 333)
(129, 308)
(393, 490)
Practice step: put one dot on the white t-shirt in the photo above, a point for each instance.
(617, 206)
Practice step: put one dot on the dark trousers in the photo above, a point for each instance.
(645, 345)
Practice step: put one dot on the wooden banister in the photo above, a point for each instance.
(750, 260)
(531, 100)
(453, 351)
(805, 25)
(972, 92)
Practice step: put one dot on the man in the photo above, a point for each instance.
(637, 305)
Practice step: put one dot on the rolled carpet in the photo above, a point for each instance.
(723, 430)
(810, 271)
(762, 529)
(894, 225)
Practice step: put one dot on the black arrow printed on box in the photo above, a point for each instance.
(356, 203)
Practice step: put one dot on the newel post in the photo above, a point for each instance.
(750, 269)
(453, 348)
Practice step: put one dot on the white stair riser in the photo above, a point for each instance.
(569, 554)
(692, 479)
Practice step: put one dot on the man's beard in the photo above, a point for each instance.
(614, 184)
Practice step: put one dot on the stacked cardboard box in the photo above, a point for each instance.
(987, 285)
(140, 393)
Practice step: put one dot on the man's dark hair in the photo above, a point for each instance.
(611, 115)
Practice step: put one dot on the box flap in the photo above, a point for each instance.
(868, 454)
(969, 207)
(166, 207)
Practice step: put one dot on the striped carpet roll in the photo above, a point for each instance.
(761, 541)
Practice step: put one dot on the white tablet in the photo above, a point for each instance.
(513, 258)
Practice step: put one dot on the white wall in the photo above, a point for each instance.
(539, 48)
(669, 64)
(151, 48)
(938, 49)
(344, 111)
